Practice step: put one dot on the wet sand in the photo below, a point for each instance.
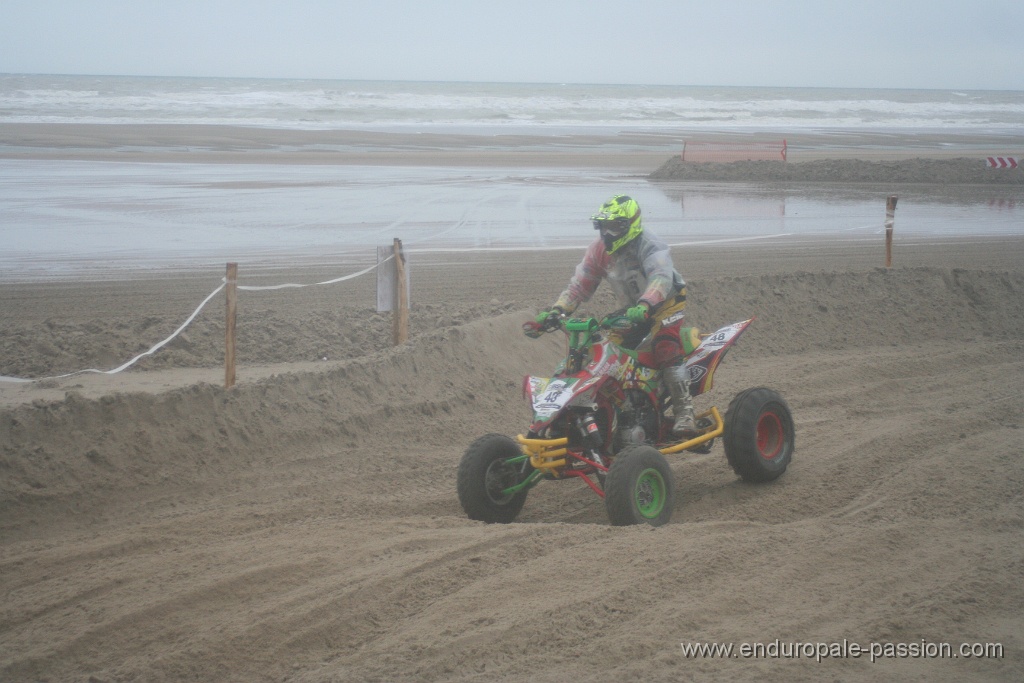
(624, 151)
(91, 201)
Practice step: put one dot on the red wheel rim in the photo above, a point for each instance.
(770, 435)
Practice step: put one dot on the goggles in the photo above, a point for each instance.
(612, 226)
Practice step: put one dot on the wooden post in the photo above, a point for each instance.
(890, 217)
(400, 314)
(230, 293)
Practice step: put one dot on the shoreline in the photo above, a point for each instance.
(826, 164)
(1001, 252)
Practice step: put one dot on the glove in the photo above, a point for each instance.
(639, 313)
(549, 319)
(544, 322)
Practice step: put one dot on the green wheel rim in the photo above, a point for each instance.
(650, 493)
(499, 476)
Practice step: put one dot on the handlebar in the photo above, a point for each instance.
(617, 322)
(534, 329)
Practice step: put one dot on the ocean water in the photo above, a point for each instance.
(312, 104)
(79, 219)
(61, 218)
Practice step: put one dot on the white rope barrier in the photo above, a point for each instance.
(577, 247)
(731, 239)
(250, 288)
(151, 351)
(156, 347)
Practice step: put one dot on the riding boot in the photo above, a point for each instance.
(678, 379)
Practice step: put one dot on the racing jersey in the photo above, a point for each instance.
(641, 270)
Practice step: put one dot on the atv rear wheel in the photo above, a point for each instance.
(639, 488)
(484, 472)
(759, 435)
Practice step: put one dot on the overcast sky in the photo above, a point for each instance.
(854, 43)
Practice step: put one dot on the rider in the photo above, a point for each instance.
(639, 269)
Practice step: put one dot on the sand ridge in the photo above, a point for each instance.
(925, 171)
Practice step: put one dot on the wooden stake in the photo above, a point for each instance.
(890, 218)
(230, 292)
(400, 314)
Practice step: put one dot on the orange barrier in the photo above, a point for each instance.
(734, 151)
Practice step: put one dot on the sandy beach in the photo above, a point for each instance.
(304, 525)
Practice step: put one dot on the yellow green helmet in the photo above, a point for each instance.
(619, 222)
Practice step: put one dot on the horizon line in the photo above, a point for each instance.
(508, 82)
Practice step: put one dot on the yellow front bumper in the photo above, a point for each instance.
(546, 455)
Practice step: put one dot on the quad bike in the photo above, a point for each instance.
(604, 415)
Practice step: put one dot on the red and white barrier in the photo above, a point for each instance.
(1002, 162)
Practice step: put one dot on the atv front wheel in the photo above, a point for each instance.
(639, 488)
(485, 472)
(759, 435)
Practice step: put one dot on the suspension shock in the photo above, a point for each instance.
(591, 431)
